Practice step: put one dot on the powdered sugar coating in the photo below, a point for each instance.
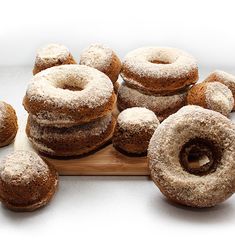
(22, 167)
(51, 53)
(137, 118)
(219, 98)
(192, 122)
(156, 103)
(97, 56)
(2, 113)
(176, 63)
(81, 131)
(47, 86)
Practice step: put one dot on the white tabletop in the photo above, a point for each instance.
(107, 210)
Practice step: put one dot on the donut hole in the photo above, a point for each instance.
(200, 156)
(71, 83)
(158, 61)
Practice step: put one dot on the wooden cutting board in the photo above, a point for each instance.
(106, 161)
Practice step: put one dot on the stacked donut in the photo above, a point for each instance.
(157, 78)
(69, 110)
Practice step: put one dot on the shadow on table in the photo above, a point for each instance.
(222, 213)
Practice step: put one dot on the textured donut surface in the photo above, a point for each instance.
(212, 95)
(159, 69)
(80, 92)
(223, 77)
(52, 55)
(194, 127)
(103, 59)
(162, 106)
(26, 181)
(8, 124)
(70, 141)
(135, 126)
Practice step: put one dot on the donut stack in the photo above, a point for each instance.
(156, 78)
(69, 110)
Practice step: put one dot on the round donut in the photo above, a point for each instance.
(70, 141)
(159, 69)
(223, 77)
(26, 181)
(191, 157)
(8, 124)
(162, 106)
(52, 55)
(80, 92)
(212, 95)
(103, 59)
(135, 126)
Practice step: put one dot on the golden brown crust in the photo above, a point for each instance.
(9, 126)
(79, 115)
(16, 199)
(42, 66)
(159, 85)
(72, 147)
(196, 95)
(113, 70)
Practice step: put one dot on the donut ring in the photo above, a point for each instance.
(80, 92)
(70, 141)
(162, 106)
(159, 69)
(191, 157)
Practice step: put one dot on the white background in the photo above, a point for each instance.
(113, 210)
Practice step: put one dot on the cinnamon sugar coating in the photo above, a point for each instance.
(159, 69)
(26, 181)
(193, 126)
(52, 55)
(8, 124)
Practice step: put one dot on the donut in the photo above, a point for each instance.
(223, 77)
(159, 69)
(70, 141)
(8, 124)
(78, 92)
(103, 59)
(135, 126)
(162, 106)
(191, 157)
(52, 55)
(116, 86)
(212, 95)
(26, 181)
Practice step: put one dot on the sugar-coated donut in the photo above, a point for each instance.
(26, 181)
(8, 124)
(212, 95)
(135, 126)
(159, 69)
(103, 59)
(191, 157)
(162, 106)
(80, 92)
(52, 55)
(70, 141)
(223, 77)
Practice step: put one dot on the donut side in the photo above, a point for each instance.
(70, 141)
(162, 106)
(8, 124)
